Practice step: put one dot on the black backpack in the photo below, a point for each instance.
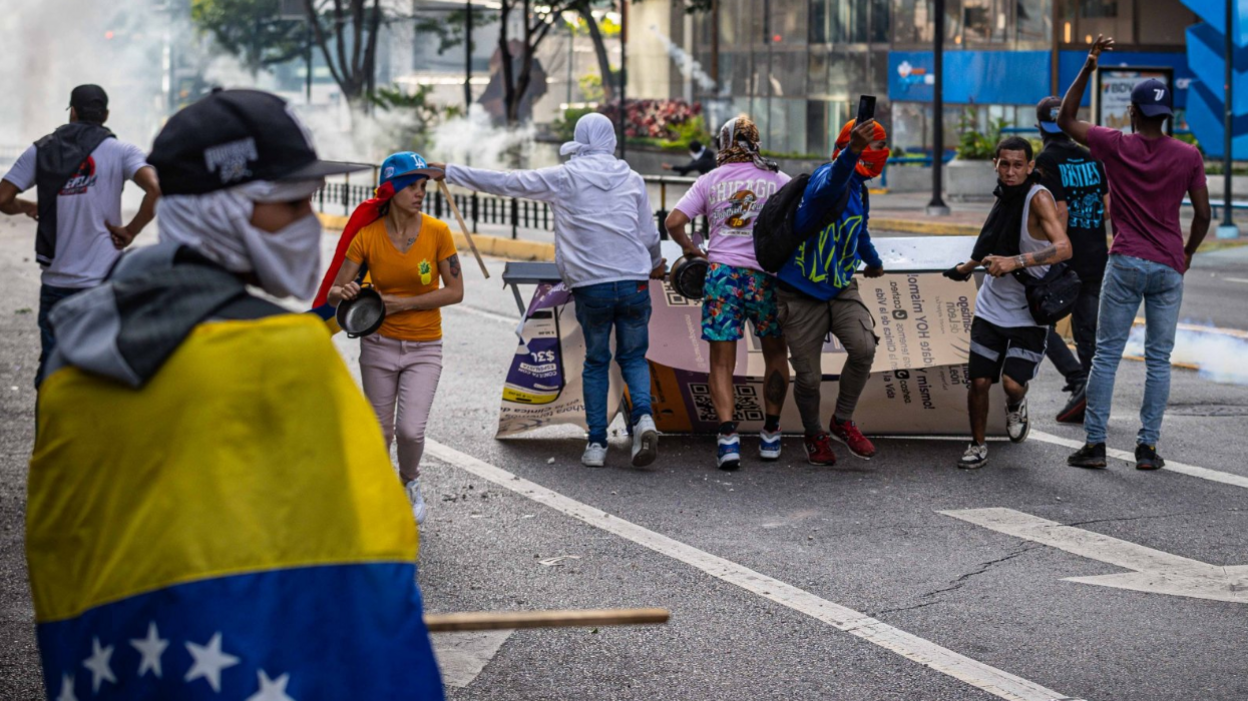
(775, 232)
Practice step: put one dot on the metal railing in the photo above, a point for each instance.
(514, 213)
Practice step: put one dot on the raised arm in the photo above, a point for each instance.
(541, 184)
(1068, 116)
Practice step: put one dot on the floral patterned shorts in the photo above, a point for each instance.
(732, 295)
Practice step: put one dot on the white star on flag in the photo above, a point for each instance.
(98, 664)
(151, 648)
(271, 689)
(67, 688)
(209, 661)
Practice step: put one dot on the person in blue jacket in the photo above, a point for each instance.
(818, 293)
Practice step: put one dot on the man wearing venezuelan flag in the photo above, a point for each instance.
(211, 510)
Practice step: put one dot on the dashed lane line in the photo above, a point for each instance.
(973, 672)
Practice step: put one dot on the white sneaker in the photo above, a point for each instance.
(1017, 423)
(595, 455)
(417, 499)
(645, 442)
(975, 457)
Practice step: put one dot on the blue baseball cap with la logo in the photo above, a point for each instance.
(1153, 98)
(407, 165)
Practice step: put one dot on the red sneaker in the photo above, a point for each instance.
(819, 450)
(849, 434)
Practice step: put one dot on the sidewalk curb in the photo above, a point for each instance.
(497, 246)
(931, 228)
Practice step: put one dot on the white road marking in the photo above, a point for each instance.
(929, 654)
(485, 314)
(1236, 279)
(1153, 571)
(1203, 473)
(462, 656)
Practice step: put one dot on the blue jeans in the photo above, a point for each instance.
(1129, 280)
(625, 306)
(49, 297)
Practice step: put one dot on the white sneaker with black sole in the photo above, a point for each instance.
(595, 455)
(645, 441)
(1017, 423)
(417, 499)
(975, 457)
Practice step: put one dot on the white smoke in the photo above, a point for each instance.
(474, 141)
(1217, 354)
(687, 65)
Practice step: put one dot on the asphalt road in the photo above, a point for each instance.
(866, 536)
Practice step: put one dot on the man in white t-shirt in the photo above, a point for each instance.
(79, 170)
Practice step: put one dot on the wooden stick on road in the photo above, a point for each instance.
(463, 227)
(506, 620)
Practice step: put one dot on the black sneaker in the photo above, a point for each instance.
(1090, 455)
(1146, 458)
(1074, 410)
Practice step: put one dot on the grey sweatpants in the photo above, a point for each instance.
(806, 322)
(400, 379)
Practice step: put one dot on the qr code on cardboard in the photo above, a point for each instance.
(746, 403)
(674, 299)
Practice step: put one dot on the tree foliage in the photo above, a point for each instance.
(346, 32)
(250, 30)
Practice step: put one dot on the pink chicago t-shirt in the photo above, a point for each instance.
(731, 196)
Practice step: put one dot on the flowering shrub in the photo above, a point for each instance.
(654, 119)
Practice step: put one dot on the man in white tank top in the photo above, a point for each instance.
(1006, 342)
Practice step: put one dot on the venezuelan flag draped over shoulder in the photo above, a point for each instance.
(233, 529)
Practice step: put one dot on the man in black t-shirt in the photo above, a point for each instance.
(1077, 181)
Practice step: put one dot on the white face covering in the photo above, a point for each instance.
(218, 225)
(286, 261)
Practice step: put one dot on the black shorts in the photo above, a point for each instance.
(1015, 351)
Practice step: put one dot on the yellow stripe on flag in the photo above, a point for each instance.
(251, 449)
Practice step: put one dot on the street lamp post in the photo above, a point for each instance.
(623, 76)
(468, 57)
(937, 206)
(1228, 229)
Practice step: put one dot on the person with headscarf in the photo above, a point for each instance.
(406, 254)
(818, 294)
(737, 288)
(606, 249)
(211, 509)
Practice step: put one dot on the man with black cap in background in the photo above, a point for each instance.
(1149, 175)
(78, 171)
(1077, 181)
(702, 159)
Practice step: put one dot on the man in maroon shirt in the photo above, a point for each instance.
(1149, 175)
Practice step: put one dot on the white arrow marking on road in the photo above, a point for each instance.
(1152, 571)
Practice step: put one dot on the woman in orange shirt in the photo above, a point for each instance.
(406, 254)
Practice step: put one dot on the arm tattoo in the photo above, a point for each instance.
(776, 388)
(453, 262)
(1044, 255)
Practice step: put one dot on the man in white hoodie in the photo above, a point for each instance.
(607, 249)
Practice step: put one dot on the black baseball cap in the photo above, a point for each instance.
(232, 137)
(88, 97)
(1046, 114)
(1153, 98)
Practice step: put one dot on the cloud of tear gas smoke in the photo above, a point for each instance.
(687, 65)
(50, 46)
(474, 141)
(1218, 355)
